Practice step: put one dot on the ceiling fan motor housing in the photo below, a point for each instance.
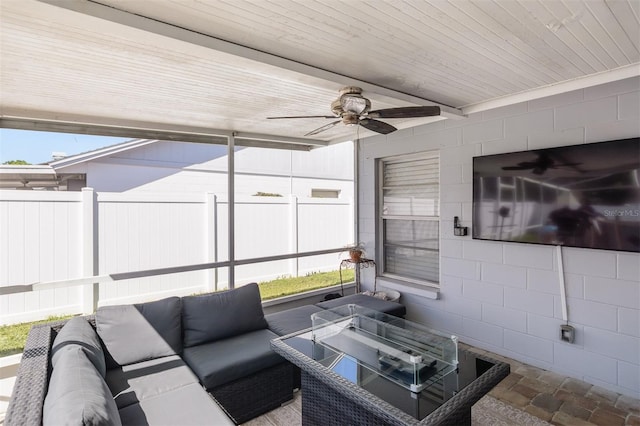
(350, 118)
(336, 107)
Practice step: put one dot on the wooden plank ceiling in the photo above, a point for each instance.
(214, 64)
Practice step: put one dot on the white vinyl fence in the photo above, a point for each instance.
(52, 236)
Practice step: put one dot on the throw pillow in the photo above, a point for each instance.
(133, 333)
(78, 333)
(78, 394)
(223, 314)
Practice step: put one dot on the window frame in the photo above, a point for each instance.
(380, 217)
(325, 193)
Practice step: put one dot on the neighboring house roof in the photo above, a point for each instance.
(47, 175)
(99, 153)
(27, 176)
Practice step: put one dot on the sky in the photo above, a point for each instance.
(36, 147)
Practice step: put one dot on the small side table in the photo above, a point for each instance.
(357, 266)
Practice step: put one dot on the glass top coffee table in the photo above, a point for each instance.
(365, 367)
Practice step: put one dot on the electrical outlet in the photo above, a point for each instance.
(460, 231)
(567, 333)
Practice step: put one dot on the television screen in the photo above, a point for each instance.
(579, 196)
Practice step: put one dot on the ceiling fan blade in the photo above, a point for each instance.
(568, 165)
(323, 128)
(303, 116)
(406, 112)
(377, 126)
(519, 167)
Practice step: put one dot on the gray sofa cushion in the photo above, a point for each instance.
(216, 316)
(187, 406)
(134, 383)
(386, 306)
(78, 395)
(291, 320)
(226, 360)
(78, 333)
(134, 333)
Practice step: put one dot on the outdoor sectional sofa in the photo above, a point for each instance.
(193, 360)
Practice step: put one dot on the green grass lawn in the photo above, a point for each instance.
(12, 337)
(287, 286)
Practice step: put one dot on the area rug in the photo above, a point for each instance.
(486, 412)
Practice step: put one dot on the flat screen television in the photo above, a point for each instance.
(579, 196)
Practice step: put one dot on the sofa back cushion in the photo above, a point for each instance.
(78, 394)
(78, 333)
(223, 314)
(133, 333)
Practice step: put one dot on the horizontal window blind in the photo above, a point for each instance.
(410, 213)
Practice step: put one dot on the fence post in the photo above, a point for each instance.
(293, 236)
(211, 229)
(90, 292)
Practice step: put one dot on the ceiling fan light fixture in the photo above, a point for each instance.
(355, 103)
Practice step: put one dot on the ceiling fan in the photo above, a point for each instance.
(540, 165)
(352, 108)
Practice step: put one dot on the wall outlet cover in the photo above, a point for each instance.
(567, 333)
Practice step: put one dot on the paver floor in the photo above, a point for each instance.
(556, 399)
(562, 400)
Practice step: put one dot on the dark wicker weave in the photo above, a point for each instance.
(32, 379)
(330, 399)
(242, 399)
(249, 397)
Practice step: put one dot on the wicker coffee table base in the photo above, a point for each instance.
(330, 399)
(323, 406)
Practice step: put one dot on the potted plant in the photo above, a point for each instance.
(356, 252)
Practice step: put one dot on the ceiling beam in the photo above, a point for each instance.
(282, 139)
(138, 130)
(604, 77)
(304, 71)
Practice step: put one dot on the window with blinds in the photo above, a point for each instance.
(409, 221)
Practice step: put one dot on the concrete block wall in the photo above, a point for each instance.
(505, 297)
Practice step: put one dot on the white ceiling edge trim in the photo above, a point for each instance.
(627, 71)
(108, 13)
(286, 139)
(46, 121)
(35, 169)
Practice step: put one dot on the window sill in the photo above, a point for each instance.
(410, 288)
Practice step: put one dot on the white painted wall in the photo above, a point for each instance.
(179, 167)
(505, 297)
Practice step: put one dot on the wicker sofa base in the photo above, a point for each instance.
(32, 379)
(249, 397)
(242, 399)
